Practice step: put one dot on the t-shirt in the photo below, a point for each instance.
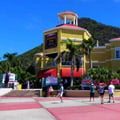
(92, 89)
(101, 89)
(111, 89)
(61, 89)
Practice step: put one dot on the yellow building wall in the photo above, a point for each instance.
(107, 55)
(115, 43)
(62, 34)
(115, 65)
(72, 34)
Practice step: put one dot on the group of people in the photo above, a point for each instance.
(60, 92)
(101, 91)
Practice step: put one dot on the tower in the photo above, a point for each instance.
(68, 28)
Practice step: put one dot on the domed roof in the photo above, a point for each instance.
(69, 15)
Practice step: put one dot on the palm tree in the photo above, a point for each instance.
(73, 54)
(12, 59)
(9, 56)
(87, 46)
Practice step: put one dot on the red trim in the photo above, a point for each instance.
(66, 72)
(51, 72)
(71, 26)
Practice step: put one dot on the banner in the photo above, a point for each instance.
(12, 77)
(51, 80)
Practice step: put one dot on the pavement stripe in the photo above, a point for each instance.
(17, 106)
(92, 112)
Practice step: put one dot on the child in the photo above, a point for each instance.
(50, 91)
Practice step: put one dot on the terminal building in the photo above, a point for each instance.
(108, 55)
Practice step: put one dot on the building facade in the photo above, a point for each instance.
(67, 29)
(108, 55)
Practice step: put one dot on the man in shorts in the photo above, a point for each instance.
(111, 89)
(92, 91)
(60, 92)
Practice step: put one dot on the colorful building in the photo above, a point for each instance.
(68, 28)
(108, 55)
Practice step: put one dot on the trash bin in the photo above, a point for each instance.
(19, 86)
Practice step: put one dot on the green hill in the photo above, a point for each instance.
(99, 31)
(28, 57)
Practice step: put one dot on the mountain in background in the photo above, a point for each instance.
(28, 57)
(101, 32)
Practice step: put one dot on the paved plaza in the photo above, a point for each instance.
(50, 108)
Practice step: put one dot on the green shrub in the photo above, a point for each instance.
(117, 86)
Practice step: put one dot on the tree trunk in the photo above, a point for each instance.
(90, 62)
(72, 72)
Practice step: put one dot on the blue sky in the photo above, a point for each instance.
(22, 22)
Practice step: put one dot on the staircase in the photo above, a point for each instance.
(23, 93)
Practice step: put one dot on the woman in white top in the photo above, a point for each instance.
(111, 89)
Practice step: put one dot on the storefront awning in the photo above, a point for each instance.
(65, 72)
(50, 72)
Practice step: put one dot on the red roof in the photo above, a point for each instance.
(70, 26)
(114, 39)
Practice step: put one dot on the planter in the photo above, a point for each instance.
(78, 93)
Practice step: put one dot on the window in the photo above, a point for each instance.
(117, 52)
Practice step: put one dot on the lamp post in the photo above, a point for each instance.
(82, 60)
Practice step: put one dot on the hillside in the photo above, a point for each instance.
(28, 57)
(99, 31)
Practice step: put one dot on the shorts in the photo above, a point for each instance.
(92, 94)
(60, 94)
(101, 94)
(111, 95)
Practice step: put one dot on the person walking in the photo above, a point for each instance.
(60, 92)
(6, 80)
(92, 91)
(101, 90)
(111, 89)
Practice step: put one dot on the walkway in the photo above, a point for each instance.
(50, 108)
